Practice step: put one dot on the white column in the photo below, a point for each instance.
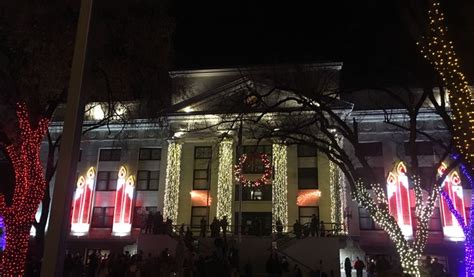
(173, 170)
(280, 185)
(225, 184)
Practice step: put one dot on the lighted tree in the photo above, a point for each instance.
(129, 51)
(437, 48)
(28, 192)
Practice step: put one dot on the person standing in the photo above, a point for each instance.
(297, 229)
(348, 267)
(224, 225)
(314, 222)
(359, 267)
(371, 268)
(149, 223)
(279, 228)
(323, 229)
(203, 227)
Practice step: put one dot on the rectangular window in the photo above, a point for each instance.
(106, 180)
(428, 177)
(261, 193)
(307, 150)
(370, 149)
(102, 217)
(203, 152)
(308, 178)
(306, 213)
(109, 155)
(435, 221)
(422, 148)
(147, 154)
(369, 175)
(201, 179)
(197, 213)
(148, 180)
(140, 216)
(365, 221)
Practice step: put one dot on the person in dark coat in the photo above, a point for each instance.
(314, 226)
(149, 223)
(203, 227)
(224, 225)
(359, 267)
(348, 267)
(297, 229)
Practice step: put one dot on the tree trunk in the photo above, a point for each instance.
(410, 264)
(469, 257)
(14, 257)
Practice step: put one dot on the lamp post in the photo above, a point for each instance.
(54, 250)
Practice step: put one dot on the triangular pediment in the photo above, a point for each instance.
(243, 96)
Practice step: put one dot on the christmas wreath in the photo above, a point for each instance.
(239, 176)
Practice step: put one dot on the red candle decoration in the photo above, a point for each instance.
(398, 193)
(82, 204)
(29, 190)
(239, 176)
(123, 204)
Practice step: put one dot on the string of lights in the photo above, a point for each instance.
(29, 190)
(467, 228)
(438, 49)
(335, 194)
(224, 180)
(173, 168)
(280, 184)
(264, 179)
(377, 205)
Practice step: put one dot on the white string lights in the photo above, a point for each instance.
(280, 184)
(410, 251)
(335, 194)
(224, 180)
(173, 168)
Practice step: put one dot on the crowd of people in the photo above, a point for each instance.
(314, 228)
(154, 223)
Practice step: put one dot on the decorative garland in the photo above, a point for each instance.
(239, 177)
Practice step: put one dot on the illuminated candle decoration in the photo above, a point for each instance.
(123, 204)
(82, 204)
(452, 187)
(200, 198)
(398, 193)
(308, 197)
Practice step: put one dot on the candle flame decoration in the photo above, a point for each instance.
(82, 204)
(122, 224)
(452, 187)
(398, 194)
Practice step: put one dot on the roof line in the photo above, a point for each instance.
(265, 67)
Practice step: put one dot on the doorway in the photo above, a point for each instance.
(255, 223)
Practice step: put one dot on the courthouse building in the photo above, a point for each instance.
(184, 166)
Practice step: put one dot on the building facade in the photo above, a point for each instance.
(184, 168)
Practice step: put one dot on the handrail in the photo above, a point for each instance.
(334, 229)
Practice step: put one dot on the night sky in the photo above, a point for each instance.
(368, 36)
